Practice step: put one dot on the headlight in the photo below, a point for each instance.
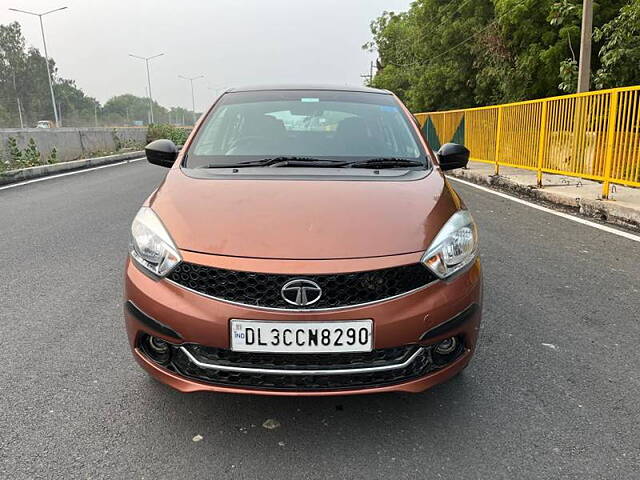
(454, 247)
(151, 245)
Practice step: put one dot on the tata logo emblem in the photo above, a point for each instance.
(301, 292)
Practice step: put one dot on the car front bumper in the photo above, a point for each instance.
(197, 327)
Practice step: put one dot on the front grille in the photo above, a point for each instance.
(338, 290)
(420, 366)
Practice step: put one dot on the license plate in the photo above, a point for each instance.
(301, 337)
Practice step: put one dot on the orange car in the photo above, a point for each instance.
(304, 242)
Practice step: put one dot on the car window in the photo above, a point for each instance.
(327, 125)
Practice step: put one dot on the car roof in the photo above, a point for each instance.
(338, 88)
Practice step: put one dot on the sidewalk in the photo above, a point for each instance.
(623, 207)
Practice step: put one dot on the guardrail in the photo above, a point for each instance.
(594, 135)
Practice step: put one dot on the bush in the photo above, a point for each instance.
(177, 135)
(15, 154)
(21, 158)
(53, 156)
(31, 155)
(116, 140)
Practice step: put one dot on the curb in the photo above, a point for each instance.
(603, 210)
(23, 174)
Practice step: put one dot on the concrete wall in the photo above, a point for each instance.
(74, 143)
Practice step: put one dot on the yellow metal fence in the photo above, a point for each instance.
(593, 135)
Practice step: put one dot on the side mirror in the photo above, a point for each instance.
(452, 156)
(161, 152)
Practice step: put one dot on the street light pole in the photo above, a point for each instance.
(46, 55)
(584, 69)
(146, 60)
(193, 98)
(20, 113)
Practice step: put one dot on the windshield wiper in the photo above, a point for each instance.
(386, 162)
(291, 161)
(308, 162)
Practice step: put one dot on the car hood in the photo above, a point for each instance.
(303, 219)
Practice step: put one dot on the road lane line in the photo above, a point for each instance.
(620, 233)
(51, 177)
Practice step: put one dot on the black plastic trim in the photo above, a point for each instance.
(340, 290)
(309, 174)
(150, 322)
(181, 365)
(451, 324)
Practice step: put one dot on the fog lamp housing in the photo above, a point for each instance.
(446, 346)
(156, 348)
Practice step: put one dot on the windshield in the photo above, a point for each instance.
(304, 124)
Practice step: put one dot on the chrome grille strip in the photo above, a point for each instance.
(279, 371)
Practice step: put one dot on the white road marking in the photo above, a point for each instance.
(51, 177)
(620, 233)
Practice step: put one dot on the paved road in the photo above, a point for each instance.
(74, 405)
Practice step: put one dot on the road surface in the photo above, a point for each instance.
(553, 391)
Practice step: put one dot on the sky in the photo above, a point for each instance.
(230, 42)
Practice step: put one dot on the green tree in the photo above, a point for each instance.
(23, 76)
(12, 67)
(444, 54)
(620, 52)
(127, 108)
